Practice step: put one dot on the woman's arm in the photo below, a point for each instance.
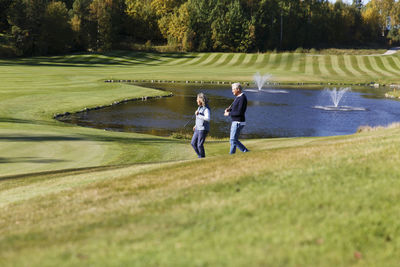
(205, 115)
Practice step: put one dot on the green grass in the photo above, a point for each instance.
(74, 196)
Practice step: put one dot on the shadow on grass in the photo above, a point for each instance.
(132, 140)
(57, 173)
(14, 120)
(75, 171)
(43, 138)
(94, 60)
(11, 120)
(29, 160)
(85, 137)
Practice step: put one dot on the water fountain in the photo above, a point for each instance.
(259, 81)
(336, 96)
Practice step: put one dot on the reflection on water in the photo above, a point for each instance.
(272, 112)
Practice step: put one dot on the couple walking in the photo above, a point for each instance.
(236, 111)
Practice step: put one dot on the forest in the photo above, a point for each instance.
(45, 27)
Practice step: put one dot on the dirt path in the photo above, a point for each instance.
(392, 51)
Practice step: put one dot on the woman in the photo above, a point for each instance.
(202, 125)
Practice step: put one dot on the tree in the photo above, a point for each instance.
(142, 20)
(383, 7)
(394, 32)
(267, 28)
(26, 20)
(174, 26)
(56, 30)
(201, 15)
(163, 7)
(372, 28)
(101, 16)
(35, 10)
(4, 9)
(80, 24)
(231, 30)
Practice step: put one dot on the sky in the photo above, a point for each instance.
(350, 1)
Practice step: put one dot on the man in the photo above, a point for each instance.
(237, 112)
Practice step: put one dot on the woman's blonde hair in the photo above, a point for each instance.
(203, 99)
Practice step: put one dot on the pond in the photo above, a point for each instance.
(271, 112)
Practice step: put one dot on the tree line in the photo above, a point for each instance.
(38, 27)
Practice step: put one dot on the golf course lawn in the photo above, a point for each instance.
(74, 196)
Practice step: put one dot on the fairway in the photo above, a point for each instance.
(74, 196)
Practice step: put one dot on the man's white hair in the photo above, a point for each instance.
(237, 86)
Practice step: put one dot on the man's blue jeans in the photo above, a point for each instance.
(236, 128)
(198, 142)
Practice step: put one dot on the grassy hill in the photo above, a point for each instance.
(77, 196)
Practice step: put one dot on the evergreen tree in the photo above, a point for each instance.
(56, 30)
(101, 16)
(4, 9)
(201, 14)
(231, 30)
(81, 24)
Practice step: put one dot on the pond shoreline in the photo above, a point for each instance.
(59, 116)
(247, 83)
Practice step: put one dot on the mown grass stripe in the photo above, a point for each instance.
(315, 64)
(275, 61)
(262, 60)
(94, 59)
(221, 59)
(396, 60)
(362, 64)
(375, 65)
(119, 60)
(367, 64)
(296, 62)
(167, 58)
(201, 59)
(68, 58)
(283, 61)
(215, 59)
(289, 62)
(383, 67)
(209, 59)
(343, 67)
(247, 59)
(349, 66)
(192, 57)
(59, 58)
(77, 59)
(308, 65)
(240, 59)
(302, 63)
(101, 59)
(252, 61)
(328, 64)
(183, 60)
(392, 64)
(322, 65)
(141, 57)
(226, 60)
(356, 67)
(234, 59)
(389, 64)
(336, 65)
